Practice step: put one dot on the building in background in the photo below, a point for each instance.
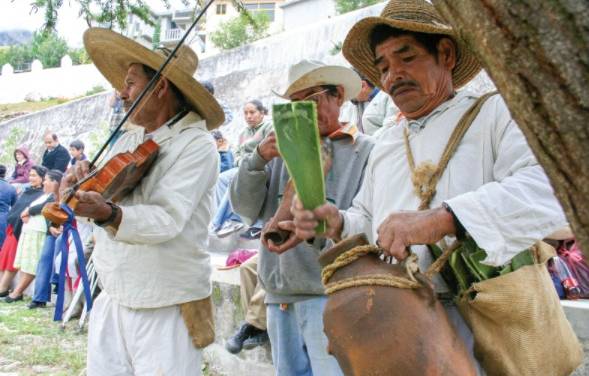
(297, 13)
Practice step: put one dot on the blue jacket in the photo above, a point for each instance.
(7, 196)
(226, 160)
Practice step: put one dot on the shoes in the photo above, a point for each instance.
(4, 294)
(34, 304)
(8, 299)
(235, 343)
(252, 233)
(229, 228)
(256, 340)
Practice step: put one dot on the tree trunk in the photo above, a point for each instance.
(537, 53)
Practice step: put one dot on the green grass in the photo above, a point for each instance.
(32, 343)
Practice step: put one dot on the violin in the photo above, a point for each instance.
(117, 178)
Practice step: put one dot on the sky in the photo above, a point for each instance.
(15, 14)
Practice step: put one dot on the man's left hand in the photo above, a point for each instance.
(92, 205)
(401, 230)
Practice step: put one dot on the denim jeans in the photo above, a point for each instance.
(45, 271)
(224, 210)
(299, 346)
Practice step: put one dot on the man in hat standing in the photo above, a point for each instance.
(290, 273)
(150, 250)
(492, 186)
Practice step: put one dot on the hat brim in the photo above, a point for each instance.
(326, 75)
(357, 51)
(113, 53)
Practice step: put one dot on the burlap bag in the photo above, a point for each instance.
(198, 317)
(518, 323)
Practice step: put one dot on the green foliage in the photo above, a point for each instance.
(47, 47)
(241, 30)
(345, 6)
(9, 144)
(157, 31)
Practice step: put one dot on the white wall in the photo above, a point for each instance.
(66, 82)
(304, 12)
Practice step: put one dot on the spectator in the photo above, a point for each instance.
(225, 220)
(211, 89)
(352, 111)
(15, 223)
(224, 152)
(20, 176)
(77, 152)
(56, 157)
(33, 235)
(253, 332)
(45, 268)
(7, 200)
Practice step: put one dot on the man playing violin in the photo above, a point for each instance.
(150, 250)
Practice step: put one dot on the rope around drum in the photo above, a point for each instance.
(388, 280)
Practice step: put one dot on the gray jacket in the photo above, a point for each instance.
(255, 193)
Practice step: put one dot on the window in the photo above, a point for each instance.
(267, 8)
(221, 8)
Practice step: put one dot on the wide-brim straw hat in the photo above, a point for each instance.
(412, 15)
(310, 73)
(113, 53)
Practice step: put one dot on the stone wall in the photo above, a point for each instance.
(73, 120)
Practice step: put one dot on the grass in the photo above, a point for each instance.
(33, 344)
(10, 110)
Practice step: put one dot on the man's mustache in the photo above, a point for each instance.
(397, 85)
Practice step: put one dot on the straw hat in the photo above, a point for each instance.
(412, 15)
(311, 73)
(112, 54)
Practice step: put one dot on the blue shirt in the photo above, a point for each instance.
(7, 196)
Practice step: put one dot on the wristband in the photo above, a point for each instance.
(111, 218)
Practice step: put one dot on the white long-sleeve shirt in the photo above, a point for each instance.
(493, 183)
(158, 256)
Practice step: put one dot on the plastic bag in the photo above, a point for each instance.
(566, 285)
(571, 254)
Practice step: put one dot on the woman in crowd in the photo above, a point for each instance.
(20, 176)
(7, 200)
(33, 235)
(44, 272)
(258, 126)
(15, 223)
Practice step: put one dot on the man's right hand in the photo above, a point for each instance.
(306, 221)
(267, 148)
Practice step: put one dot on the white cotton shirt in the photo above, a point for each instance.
(493, 183)
(158, 257)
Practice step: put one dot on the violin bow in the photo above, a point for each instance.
(154, 79)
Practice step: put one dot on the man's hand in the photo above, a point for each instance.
(305, 221)
(290, 243)
(92, 205)
(24, 213)
(400, 230)
(267, 148)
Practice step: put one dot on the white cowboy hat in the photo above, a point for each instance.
(311, 73)
(113, 53)
(411, 15)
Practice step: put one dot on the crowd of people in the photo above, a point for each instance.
(27, 239)
(387, 119)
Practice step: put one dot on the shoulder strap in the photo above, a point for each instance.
(427, 193)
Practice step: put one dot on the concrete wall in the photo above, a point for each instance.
(298, 13)
(77, 119)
